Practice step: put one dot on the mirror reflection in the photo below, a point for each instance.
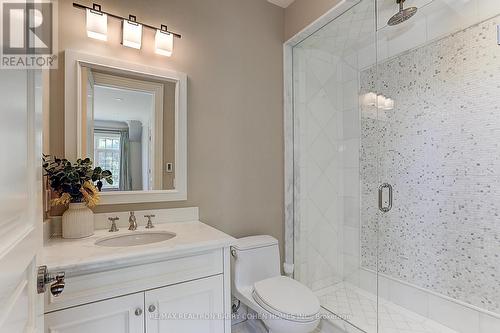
(129, 129)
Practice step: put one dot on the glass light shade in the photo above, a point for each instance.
(132, 34)
(369, 99)
(384, 103)
(388, 104)
(164, 43)
(97, 25)
(381, 101)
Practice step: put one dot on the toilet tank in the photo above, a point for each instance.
(253, 259)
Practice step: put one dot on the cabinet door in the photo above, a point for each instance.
(191, 307)
(117, 315)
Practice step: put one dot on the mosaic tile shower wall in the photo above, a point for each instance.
(440, 148)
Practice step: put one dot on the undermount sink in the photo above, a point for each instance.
(136, 238)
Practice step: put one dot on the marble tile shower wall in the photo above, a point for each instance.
(440, 148)
(326, 166)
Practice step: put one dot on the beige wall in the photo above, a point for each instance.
(231, 51)
(301, 13)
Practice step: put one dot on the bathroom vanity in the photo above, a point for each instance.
(181, 284)
(173, 277)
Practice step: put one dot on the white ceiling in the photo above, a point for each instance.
(281, 3)
(122, 104)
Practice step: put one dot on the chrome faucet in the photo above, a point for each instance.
(132, 222)
(113, 223)
(150, 223)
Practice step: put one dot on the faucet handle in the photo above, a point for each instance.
(113, 224)
(150, 223)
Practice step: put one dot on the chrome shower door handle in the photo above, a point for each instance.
(381, 206)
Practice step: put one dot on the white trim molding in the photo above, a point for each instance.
(74, 61)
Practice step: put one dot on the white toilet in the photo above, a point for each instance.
(283, 304)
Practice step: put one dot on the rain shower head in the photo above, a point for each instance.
(403, 14)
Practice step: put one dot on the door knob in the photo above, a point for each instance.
(44, 277)
(57, 287)
(138, 311)
(381, 207)
(152, 308)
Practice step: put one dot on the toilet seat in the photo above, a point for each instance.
(286, 298)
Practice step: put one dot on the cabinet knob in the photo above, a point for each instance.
(138, 311)
(152, 308)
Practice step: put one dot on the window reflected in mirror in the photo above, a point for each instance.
(107, 155)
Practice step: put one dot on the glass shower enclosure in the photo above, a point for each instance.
(396, 166)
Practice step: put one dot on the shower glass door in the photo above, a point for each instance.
(437, 144)
(330, 185)
(397, 166)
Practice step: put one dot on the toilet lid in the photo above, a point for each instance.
(285, 297)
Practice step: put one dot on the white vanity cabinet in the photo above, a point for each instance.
(188, 294)
(186, 307)
(117, 315)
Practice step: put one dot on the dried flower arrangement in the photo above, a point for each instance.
(74, 182)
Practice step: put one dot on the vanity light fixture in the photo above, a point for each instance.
(97, 23)
(388, 104)
(164, 41)
(132, 33)
(385, 103)
(97, 27)
(370, 99)
(379, 101)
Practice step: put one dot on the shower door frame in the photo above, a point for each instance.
(291, 205)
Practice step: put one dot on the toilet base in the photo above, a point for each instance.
(284, 326)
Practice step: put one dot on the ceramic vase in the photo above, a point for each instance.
(77, 221)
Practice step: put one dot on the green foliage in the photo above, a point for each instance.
(65, 177)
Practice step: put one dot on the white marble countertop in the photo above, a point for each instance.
(82, 256)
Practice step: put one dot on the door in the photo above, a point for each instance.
(333, 162)
(191, 307)
(20, 200)
(437, 137)
(117, 315)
